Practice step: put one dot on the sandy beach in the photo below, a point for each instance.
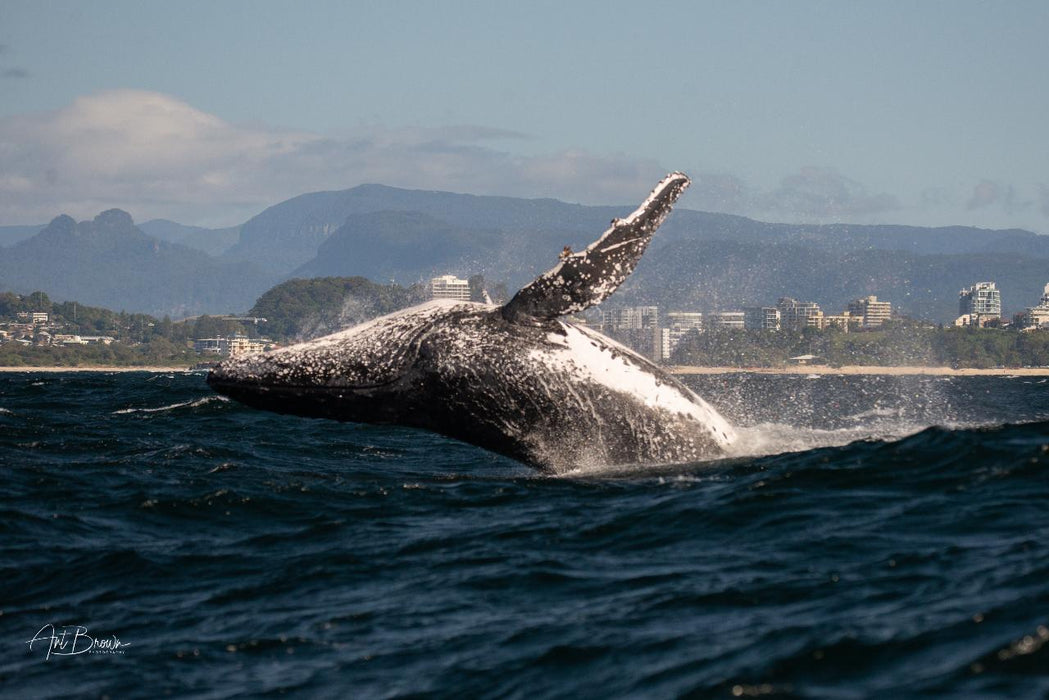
(854, 369)
(801, 369)
(94, 368)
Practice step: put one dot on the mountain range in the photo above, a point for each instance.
(698, 260)
(110, 262)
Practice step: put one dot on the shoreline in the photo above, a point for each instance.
(676, 370)
(869, 369)
(95, 368)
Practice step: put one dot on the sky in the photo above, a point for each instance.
(924, 113)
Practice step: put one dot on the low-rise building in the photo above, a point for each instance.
(35, 317)
(726, 319)
(67, 339)
(844, 321)
(231, 347)
(805, 360)
(210, 346)
(1036, 316)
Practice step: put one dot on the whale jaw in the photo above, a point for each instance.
(268, 391)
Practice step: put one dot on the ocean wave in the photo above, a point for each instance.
(171, 407)
(848, 548)
(764, 447)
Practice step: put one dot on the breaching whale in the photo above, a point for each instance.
(514, 379)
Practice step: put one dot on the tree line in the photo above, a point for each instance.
(299, 309)
(896, 344)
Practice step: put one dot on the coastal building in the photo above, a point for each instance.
(234, 346)
(979, 305)
(210, 346)
(844, 321)
(1036, 316)
(684, 319)
(761, 318)
(805, 360)
(67, 339)
(630, 318)
(796, 315)
(727, 319)
(35, 317)
(97, 339)
(637, 327)
(678, 326)
(450, 287)
(872, 312)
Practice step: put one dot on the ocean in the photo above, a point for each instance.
(869, 536)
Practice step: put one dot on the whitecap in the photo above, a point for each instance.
(778, 438)
(171, 407)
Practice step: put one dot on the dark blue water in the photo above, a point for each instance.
(847, 550)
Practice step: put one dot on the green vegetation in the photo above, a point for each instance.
(898, 344)
(138, 339)
(302, 308)
(158, 353)
(305, 308)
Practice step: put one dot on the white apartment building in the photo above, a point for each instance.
(679, 324)
(726, 319)
(761, 318)
(450, 287)
(979, 304)
(873, 312)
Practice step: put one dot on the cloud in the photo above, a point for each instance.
(156, 155)
(1005, 199)
(984, 194)
(1043, 199)
(812, 193)
(14, 72)
(722, 192)
(824, 193)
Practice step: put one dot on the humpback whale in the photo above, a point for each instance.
(516, 379)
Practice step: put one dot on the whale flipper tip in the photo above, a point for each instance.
(583, 279)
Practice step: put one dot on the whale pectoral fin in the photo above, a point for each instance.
(588, 277)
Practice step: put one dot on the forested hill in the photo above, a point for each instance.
(109, 262)
(700, 261)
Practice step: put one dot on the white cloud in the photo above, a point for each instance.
(825, 193)
(813, 194)
(155, 155)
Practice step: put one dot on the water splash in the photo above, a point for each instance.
(172, 407)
